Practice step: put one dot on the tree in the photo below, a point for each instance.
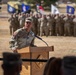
(73, 1)
(0, 0)
(49, 2)
(44, 4)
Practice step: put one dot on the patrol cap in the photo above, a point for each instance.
(28, 19)
(11, 59)
(69, 65)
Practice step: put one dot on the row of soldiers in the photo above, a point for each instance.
(46, 25)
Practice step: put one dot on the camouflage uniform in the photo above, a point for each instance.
(17, 26)
(74, 20)
(59, 26)
(51, 25)
(68, 27)
(43, 27)
(12, 24)
(35, 24)
(21, 20)
(22, 39)
(62, 27)
(39, 22)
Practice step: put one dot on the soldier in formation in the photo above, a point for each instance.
(59, 25)
(51, 24)
(74, 20)
(21, 19)
(35, 24)
(68, 26)
(14, 23)
(45, 25)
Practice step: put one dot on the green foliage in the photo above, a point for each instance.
(0, 0)
(47, 2)
(73, 1)
(53, 1)
(29, 1)
(44, 4)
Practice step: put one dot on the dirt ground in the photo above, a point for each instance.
(62, 45)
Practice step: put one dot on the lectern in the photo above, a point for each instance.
(34, 68)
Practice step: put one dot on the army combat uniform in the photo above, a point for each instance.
(35, 24)
(12, 26)
(68, 27)
(74, 20)
(22, 39)
(59, 26)
(43, 27)
(22, 20)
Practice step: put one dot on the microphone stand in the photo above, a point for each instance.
(41, 39)
(45, 42)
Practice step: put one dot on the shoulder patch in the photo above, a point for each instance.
(17, 31)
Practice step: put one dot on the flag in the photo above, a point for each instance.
(37, 7)
(70, 10)
(54, 9)
(41, 10)
(25, 7)
(11, 9)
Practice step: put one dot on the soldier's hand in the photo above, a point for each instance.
(15, 51)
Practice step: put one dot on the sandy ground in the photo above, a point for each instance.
(62, 45)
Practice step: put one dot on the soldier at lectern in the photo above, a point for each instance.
(23, 37)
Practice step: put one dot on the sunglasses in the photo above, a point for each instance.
(28, 22)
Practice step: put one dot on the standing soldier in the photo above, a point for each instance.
(43, 26)
(74, 21)
(39, 22)
(35, 23)
(12, 24)
(17, 26)
(51, 25)
(68, 26)
(59, 26)
(21, 19)
(58, 20)
(23, 37)
(62, 26)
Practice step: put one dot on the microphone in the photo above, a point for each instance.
(41, 39)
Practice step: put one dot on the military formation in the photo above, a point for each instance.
(45, 25)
